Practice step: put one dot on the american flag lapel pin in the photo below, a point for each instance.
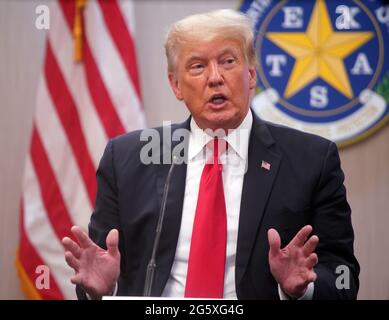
(265, 165)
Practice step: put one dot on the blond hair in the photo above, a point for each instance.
(225, 23)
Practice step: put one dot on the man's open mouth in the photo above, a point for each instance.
(218, 99)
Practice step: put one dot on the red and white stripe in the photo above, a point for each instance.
(79, 107)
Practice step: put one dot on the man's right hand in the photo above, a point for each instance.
(96, 270)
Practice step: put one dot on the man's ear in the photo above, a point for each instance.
(175, 85)
(253, 77)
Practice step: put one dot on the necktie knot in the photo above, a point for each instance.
(218, 147)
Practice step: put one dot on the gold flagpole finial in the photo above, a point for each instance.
(77, 30)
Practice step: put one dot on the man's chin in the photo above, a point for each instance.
(223, 121)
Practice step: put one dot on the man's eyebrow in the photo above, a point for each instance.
(227, 50)
(199, 56)
(195, 55)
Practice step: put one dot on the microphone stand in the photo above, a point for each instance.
(152, 263)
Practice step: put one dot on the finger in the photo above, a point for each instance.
(72, 261)
(312, 276)
(274, 241)
(301, 236)
(312, 260)
(76, 279)
(310, 245)
(112, 242)
(82, 237)
(72, 246)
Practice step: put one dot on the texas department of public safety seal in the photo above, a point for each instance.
(323, 65)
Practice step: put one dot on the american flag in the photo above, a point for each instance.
(80, 105)
(265, 165)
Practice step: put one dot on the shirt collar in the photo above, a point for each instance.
(238, 139)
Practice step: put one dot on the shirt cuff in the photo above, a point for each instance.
(114, 293)
(308, 295)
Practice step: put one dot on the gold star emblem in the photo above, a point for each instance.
(319, 52)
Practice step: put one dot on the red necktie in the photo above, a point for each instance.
(205, 277)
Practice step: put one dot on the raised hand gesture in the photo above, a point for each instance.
(96, 269)
(292, 266)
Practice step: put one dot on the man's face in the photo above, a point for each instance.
(214, 80)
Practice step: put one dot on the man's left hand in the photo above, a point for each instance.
(292, 266)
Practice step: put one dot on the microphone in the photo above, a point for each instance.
(152, 263)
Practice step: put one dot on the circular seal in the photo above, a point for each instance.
(323, 65)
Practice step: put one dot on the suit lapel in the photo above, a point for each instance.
(257, 186)
(173, 213)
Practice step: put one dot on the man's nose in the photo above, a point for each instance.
(215, 75)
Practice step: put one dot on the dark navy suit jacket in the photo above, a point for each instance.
(303, 186)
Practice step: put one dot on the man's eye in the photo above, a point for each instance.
(197, 66)
(229, 61)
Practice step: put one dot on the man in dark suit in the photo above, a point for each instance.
(275, 186)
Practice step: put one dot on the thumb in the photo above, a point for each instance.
(112, 242)
(274, 241)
